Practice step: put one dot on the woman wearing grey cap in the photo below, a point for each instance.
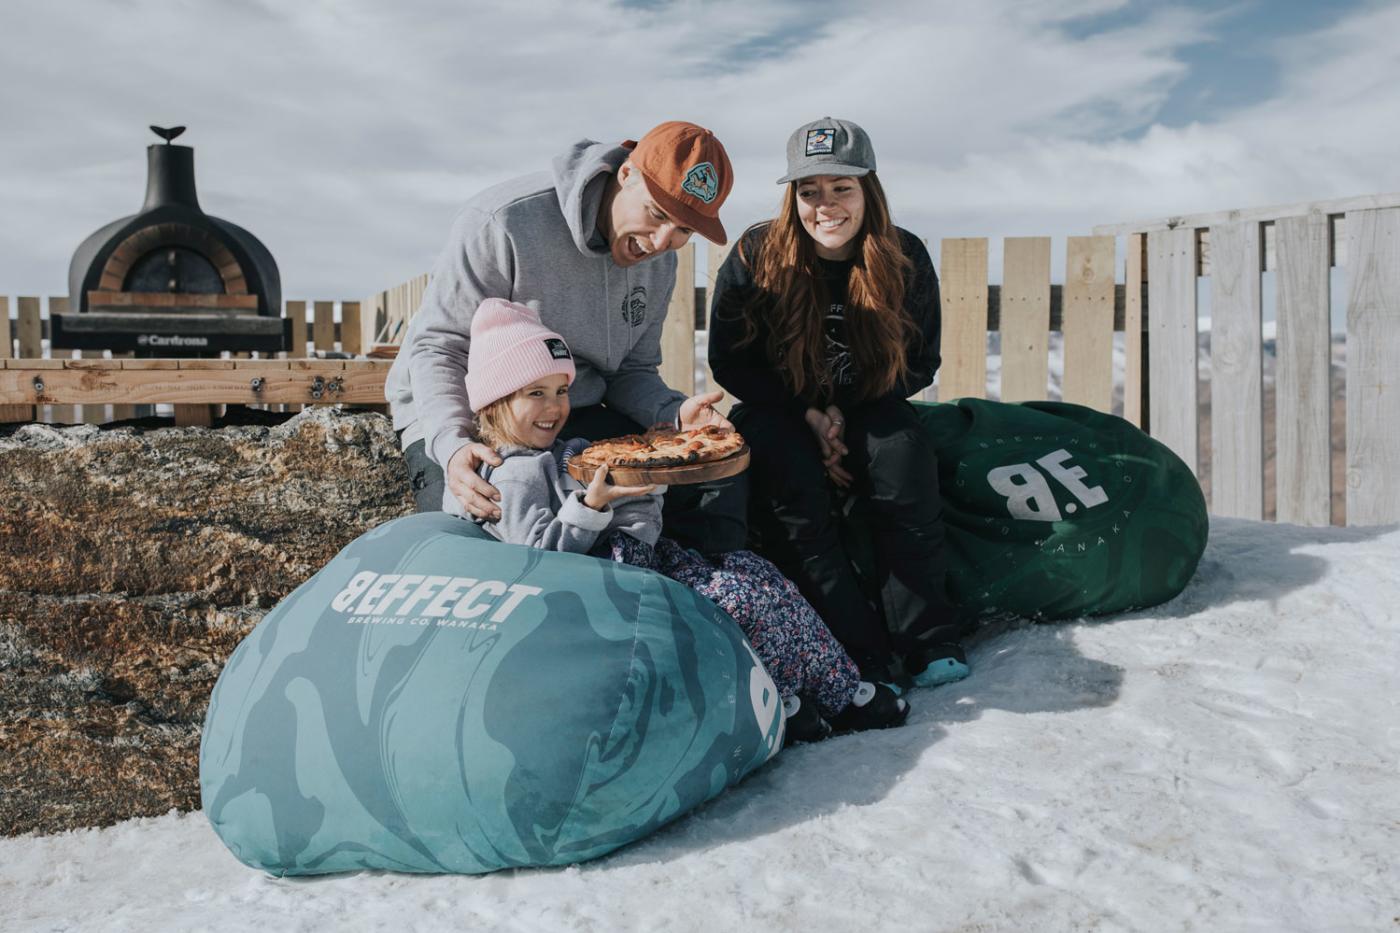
(825, 321)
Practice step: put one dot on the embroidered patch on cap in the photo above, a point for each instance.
(821, 141)
(702, 181)
(558, 349)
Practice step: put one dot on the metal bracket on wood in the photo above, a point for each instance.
(39, 385)
(318, 386)
(334, 386)
(256, 384)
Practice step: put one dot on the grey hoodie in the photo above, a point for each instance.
(542, 505)
(533, 240)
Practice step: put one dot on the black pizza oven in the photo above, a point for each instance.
(171, 280)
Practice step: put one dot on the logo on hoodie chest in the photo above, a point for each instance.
(634, 306)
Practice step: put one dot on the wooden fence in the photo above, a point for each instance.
(1260, 454)
(94, 387)
(1298, 245)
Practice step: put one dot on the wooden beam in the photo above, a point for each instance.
(206, 382)
(1258, 214)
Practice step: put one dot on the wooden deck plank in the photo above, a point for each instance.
(1237, 373)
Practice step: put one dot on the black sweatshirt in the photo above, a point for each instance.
(750, 376)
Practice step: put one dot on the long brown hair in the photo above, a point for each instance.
(795, 300)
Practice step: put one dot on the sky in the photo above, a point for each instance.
(345, 135)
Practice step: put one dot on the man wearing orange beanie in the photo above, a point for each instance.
(592, 246)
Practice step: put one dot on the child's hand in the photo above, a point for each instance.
(601, 494)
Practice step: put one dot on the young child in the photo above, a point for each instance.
(518, 381)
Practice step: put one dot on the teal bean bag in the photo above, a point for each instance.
(435, 701)
(1054, 511)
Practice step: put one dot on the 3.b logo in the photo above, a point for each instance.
(1028, 494)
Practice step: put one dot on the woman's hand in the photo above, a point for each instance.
(601, 493)
(829, 426)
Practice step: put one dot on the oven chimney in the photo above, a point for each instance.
(169, 177)
(169, 172)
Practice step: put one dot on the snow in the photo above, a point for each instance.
(1225, 761)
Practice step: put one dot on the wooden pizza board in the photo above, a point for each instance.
(685, 474)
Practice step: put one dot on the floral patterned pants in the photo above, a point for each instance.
(794, 644)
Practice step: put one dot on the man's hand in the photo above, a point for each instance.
(600, 494)
(698, 411)
(477, 496)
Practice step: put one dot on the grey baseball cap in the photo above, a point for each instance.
(828, 147)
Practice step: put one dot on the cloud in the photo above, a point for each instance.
(346, 134)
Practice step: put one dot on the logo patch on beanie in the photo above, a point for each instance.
(821, 141)
(702, 181)
(558, 348)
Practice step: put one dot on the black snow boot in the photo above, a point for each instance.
(875, 706)
(804, 722)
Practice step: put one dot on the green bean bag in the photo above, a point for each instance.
(435, 701)
(1055, 511)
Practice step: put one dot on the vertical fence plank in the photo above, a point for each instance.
(296, 310)
(30, 332)
(323, 325)
(678, 331)
(1302, 378)
(1237, 373)
(1025, 318)
(1171, 296)
(7, 351)
(352, 338)
(964, 289)
(1088, 322)
(715, 257)
(1135, 369)
(60, 414)
(1373, 383)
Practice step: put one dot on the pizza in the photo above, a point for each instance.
(661, 447)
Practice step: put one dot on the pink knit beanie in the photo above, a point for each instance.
(510, 349)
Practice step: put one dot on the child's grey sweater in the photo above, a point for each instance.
(542, 505)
